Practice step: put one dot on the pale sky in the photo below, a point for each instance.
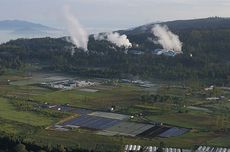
(101, 15)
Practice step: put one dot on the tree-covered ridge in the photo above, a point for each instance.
(210, 49)
(203, 23)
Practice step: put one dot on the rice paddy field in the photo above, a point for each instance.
(209, 126)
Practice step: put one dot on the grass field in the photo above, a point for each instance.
(123, 95)
(7, 111)
(220, 141)
(188, 120)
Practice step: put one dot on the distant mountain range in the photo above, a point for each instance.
(13, 29)
(19, 24)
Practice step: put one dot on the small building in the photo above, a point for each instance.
(165, 52)
(209, 88)
(213, 98)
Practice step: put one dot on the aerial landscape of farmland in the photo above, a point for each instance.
(115, 113)
(114, 76)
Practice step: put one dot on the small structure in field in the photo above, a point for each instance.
(68, 84)
(213, 98)
(209, 88)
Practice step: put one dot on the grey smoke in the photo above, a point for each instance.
(78, 34)
(115, 38)
(166, 38)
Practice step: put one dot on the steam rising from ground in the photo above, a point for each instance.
(115, 38)
(79, 36)
(167, 39)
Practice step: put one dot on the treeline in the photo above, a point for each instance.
(153, 98)
(15, 144)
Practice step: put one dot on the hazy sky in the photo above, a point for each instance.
(100, 15)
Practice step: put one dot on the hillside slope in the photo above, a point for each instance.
(210, 49)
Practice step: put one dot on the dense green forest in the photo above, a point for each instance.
(209, 45)
(13, 144)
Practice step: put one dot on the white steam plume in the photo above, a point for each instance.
(166, 38)
(115, 38)
(79, 36)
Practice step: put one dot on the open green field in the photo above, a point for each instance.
(123, 95)
(220, 141)
(189, 120)
(22, 91)
(106, 96)
(9, 112)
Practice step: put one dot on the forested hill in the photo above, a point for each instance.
(204, 23)
(209, 45)
(203, 37)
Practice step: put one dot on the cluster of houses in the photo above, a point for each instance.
(136, 148)
(145, 84)
(209, 88)
(212, 149)
(164, 52)
(213, 98)
(68, 84)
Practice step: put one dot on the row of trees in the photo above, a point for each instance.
(161, 98)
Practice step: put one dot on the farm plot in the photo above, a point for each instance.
(91, 122)
(128, 128)
(65, 108)
(81, 111)
(172, 132)
(89, 90)
(109, 115)
(153, 131)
